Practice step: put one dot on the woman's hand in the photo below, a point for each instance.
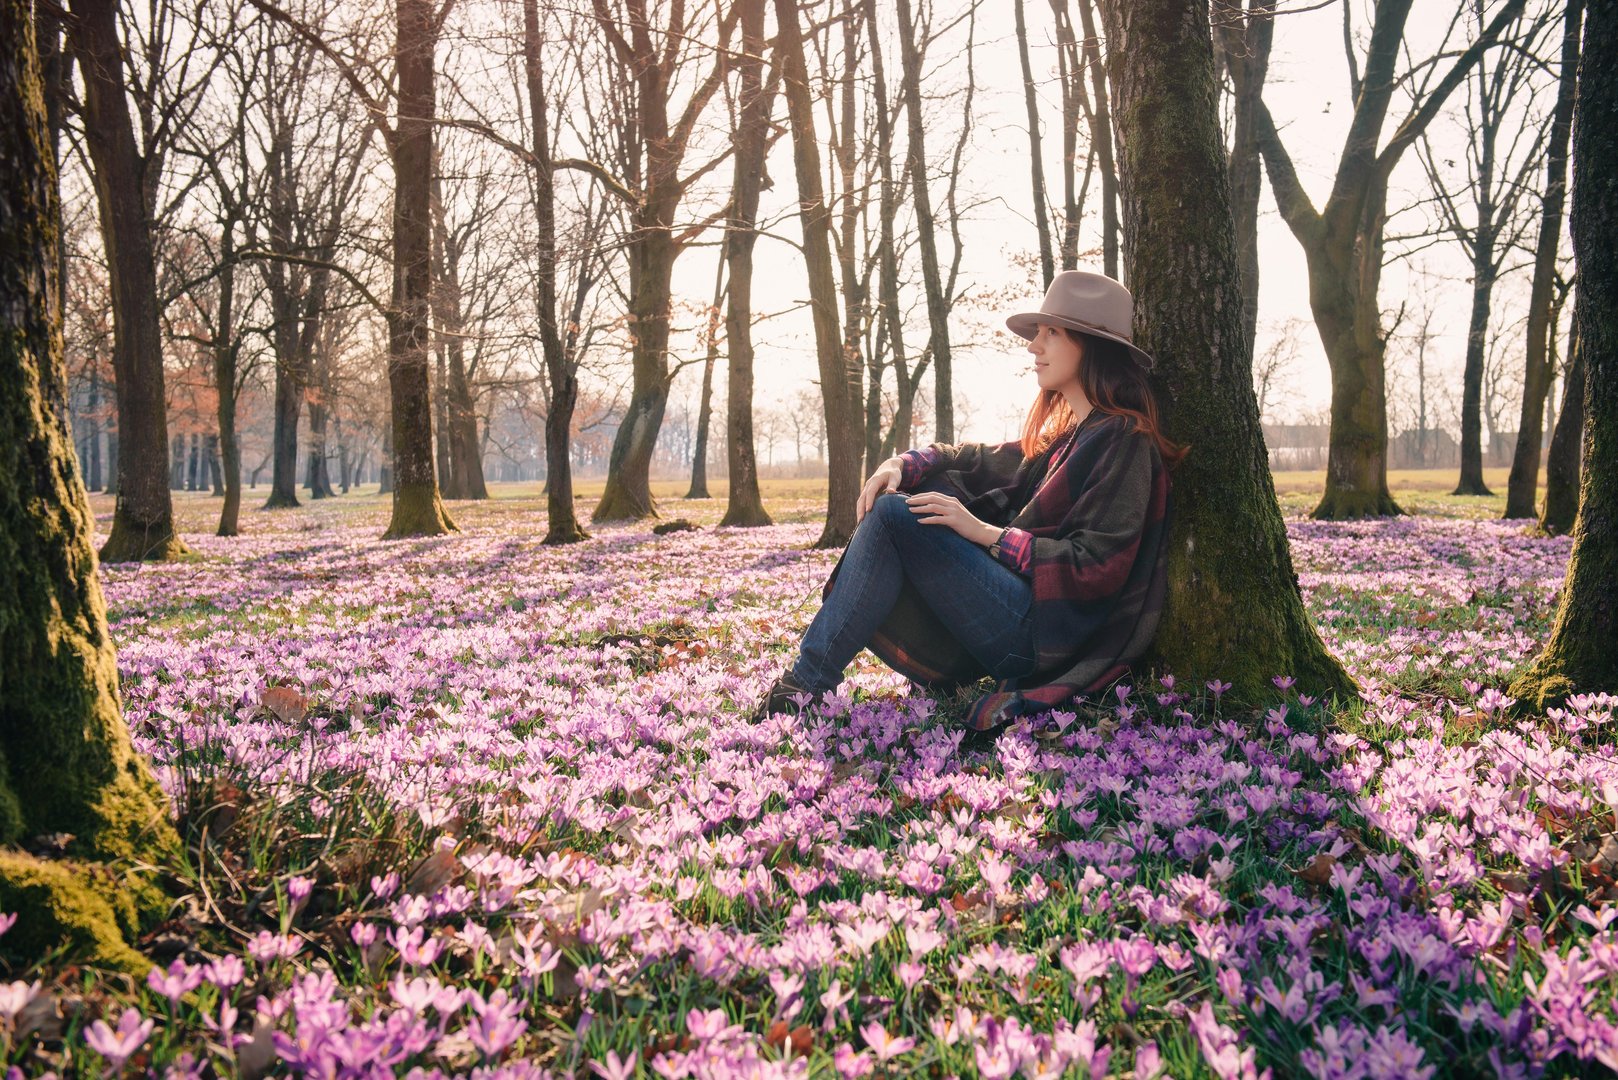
(885, 479)
(936, 508)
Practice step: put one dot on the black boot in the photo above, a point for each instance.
(780, 699)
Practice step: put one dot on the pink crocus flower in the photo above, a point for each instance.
(118, 1046)
(883, 1045)
(615, 1068)
(179, 980)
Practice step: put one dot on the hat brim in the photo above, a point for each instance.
(1026, 325)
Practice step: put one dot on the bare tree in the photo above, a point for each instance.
(910, 34)
(1498, 162)
(1537, 371)
(125, 183)
(1343, 243)
(754, 95)
(654, 146)
(838, 389)
(1036, 156)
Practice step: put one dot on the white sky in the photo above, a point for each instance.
(1307, 94)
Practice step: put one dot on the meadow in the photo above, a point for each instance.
(471, 805)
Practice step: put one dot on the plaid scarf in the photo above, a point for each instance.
(1100, 529)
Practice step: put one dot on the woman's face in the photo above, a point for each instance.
(1056, 358)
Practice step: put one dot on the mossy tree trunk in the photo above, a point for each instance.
(1234, 609)
(1582, 653)
(1562, 463)
(838, 390)
(743, 506)
(66, 763)
(143, 522)
(1537, 372)
(417, 508)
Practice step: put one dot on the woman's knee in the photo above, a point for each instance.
(893, 509)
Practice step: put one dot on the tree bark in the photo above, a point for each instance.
(699, 456)
(1036, 157)
(1582, 653)
(1102, 140)
(143, 521)
(417, 508)
(1562, 464)
(837, 389)
(1234, 609)
(562, 523)
(744, 507)
(66, 762)
(926, 224)
(1243, 42)
(1471, 480)
(1524, 478)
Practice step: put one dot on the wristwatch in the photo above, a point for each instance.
(994, 548)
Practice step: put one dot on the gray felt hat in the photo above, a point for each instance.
(1090, 303)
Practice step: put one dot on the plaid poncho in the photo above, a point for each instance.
(1099, 567)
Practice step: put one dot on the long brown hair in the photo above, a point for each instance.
(1115, 385)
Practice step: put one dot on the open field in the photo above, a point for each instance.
(1422, 491)
(471, 805)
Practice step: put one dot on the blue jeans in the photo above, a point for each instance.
(983, 602)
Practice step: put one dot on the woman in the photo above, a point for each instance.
(1039, 562)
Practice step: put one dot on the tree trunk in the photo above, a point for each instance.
(1537, 373)
(1234, 609)
(932, 279)
(1036, 157)
(318, 475)
(93, 440)
(837, 390)
(1562, 464)
(216, 478)
(384, 471)
(446, 471)
(193, 464)
(288, 406)
(143, 522)
(1101, 140)
(1243, 43)
(562, 523)
(1582, 654)
(743, 506)
(417, 509)
(66, 762)
(1471, 482)
(225, 350)
(177, 463)
(699, 456)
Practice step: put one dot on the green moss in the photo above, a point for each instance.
(418, 511)
(92, 911)
(134, 542)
